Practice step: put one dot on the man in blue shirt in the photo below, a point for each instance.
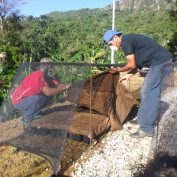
(142, 51)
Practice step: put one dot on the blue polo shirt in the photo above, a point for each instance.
(147, 51)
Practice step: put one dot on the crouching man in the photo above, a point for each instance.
(34, 93)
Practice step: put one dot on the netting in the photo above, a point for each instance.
(165, 137)
(39, 120)
(42, 136)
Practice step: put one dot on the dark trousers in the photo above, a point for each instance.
(31, 106)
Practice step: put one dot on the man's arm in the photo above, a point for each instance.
(131, 64)
(48, 91)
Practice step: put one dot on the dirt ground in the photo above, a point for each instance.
(17, 163)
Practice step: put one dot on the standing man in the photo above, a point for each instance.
(142, 51)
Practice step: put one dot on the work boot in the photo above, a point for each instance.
(141, 134)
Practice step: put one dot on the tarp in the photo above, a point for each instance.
(108, 99)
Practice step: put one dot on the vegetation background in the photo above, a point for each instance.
(76, 36)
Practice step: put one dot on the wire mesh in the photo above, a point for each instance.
(164, 140)
(49, 117)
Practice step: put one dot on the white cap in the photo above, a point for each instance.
(45, 60)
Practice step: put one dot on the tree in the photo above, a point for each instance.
(173, 41)
(7, 7)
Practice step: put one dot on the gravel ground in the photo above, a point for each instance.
(118, 155)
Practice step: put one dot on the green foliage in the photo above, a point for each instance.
(71, 74)
(173, 19)
(76, 36)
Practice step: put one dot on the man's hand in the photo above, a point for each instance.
(67, 86)
(113, 70)
(64, 86)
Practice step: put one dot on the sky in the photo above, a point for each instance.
(42, 7)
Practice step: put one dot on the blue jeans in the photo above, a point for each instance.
(31, 106)
(150, 97)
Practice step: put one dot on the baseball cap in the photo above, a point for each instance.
(108, 35)
(45, 64)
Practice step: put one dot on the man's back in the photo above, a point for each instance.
(31, 85)
(147, 52)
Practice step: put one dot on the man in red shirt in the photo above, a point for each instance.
(34, 93)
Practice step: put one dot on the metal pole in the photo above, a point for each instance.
(113, 14)
(113, 27)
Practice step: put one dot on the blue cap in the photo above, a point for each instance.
(110, 34)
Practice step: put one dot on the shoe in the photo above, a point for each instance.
(26, 124)
(141, 134)
(36, 117)
(134, 121)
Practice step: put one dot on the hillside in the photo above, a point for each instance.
(134, 5)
